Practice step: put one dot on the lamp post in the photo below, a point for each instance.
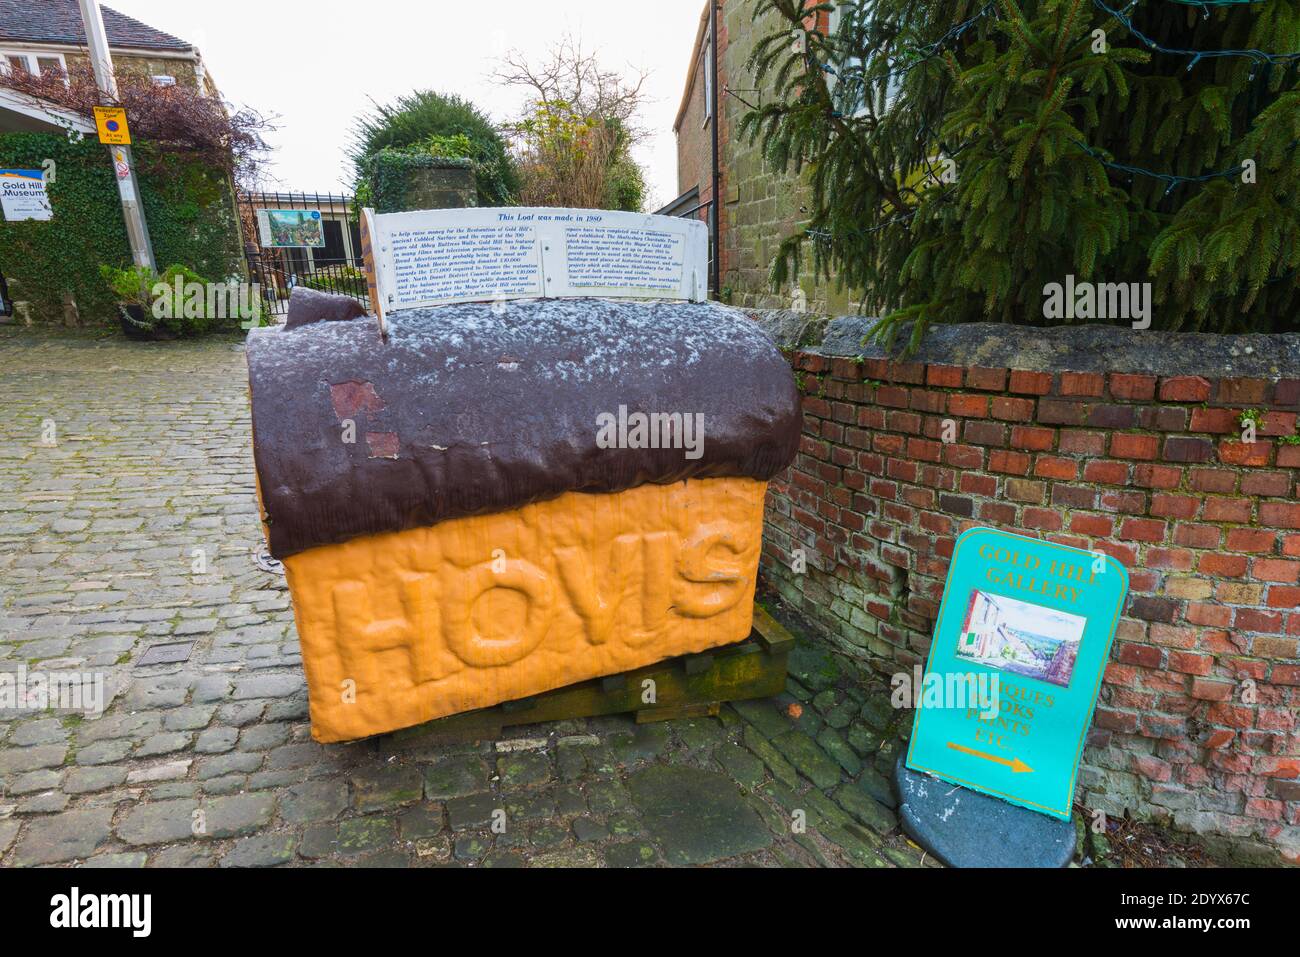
(128, 187)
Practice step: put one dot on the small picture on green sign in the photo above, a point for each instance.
(1021, 638)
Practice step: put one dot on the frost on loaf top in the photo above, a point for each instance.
(479, 408)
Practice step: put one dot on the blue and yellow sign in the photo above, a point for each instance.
(1022, 640)
(110, 121)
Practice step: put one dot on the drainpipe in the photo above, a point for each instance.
(714, 209)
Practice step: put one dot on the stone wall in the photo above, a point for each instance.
(760, 207)
(1102, 438)
(402, 182)
(182, 69)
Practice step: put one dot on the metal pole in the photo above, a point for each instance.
(128, 187)
(714, 216)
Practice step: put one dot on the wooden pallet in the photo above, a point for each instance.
(688, 686)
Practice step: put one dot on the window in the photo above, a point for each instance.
(834, 19)
(333, 253)
(38, 64)
(709, 74)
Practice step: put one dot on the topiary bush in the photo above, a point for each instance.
(430, 124)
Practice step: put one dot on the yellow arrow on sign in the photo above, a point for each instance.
(1015, 764)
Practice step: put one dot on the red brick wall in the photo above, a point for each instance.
(1150, 470)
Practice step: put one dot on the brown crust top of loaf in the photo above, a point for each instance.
(480, 408)
(310, 305)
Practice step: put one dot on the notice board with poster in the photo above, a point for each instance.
(1033, 620)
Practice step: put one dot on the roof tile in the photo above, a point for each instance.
(59, 21)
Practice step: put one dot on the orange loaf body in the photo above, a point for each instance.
(404, 627)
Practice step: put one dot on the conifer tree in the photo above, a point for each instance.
(964, 155)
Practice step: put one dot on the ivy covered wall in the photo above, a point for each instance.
(189, 209)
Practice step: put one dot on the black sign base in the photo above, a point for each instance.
(964, 828)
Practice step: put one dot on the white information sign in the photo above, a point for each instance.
(22, 195)
(476, 255)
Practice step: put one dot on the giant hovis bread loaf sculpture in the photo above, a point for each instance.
(481, 501)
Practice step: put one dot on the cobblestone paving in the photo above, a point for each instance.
(135, 526)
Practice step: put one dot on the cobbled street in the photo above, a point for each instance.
(132, 522)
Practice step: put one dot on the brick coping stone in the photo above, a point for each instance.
(1080, 348)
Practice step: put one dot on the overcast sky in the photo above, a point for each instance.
(317, 63)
